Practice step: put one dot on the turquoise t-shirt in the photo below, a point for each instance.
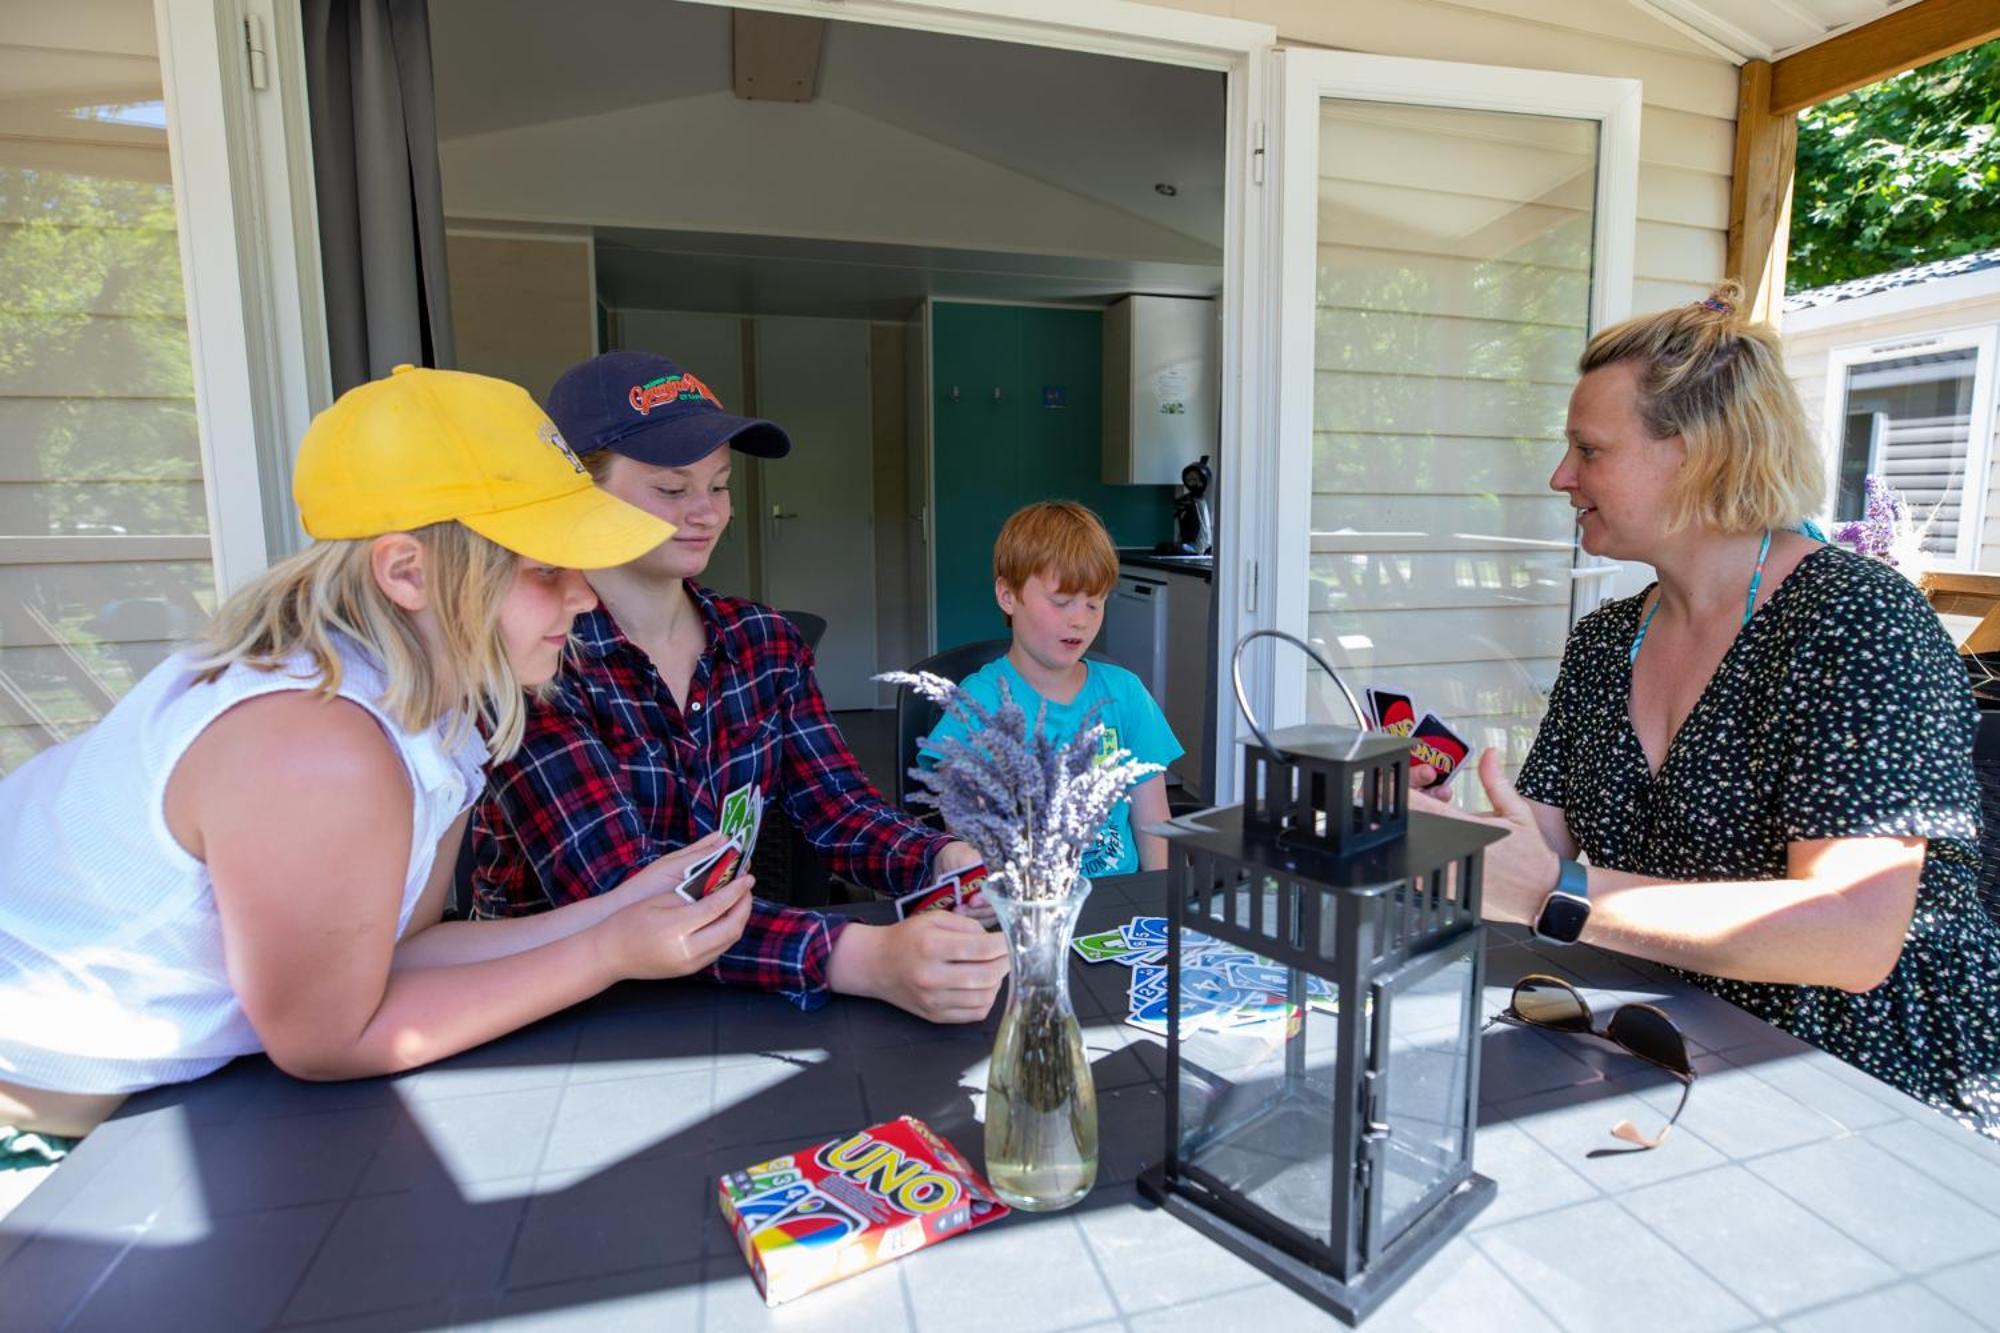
(1131, 720)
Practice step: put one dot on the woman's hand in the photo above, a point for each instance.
(666, 936)
(1521, 868)
(1425, 779)
(937, 965)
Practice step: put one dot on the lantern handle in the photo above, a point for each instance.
(1243, 699)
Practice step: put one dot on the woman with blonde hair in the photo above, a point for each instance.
(1766, 756)
(251, 850)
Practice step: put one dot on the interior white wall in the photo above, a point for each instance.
(717, 163)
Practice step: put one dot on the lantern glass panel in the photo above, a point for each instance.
(1426, 1013)
(1257, 1050)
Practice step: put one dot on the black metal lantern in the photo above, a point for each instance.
(1333, 1149)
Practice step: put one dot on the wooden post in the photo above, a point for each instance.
(1760, 193)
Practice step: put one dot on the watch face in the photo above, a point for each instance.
(1562, 917)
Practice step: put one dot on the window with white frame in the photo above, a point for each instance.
(1916, 415)
(105, 554)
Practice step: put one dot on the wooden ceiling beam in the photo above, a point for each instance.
(776, 56)
(1900, 40)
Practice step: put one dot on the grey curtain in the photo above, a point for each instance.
(375, 166)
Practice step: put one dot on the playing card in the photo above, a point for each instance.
(1099, 947)
(971, 881)
(720, 870)
(1438, 745)
(1146, 932)
(1148, 980)
(939, 897)
(691, 878)
(1393, 711)
(747, 835)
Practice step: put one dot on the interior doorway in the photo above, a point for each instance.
(776, 203)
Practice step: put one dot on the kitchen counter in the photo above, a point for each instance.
(1201, 566)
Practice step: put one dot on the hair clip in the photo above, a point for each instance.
(1718, 305)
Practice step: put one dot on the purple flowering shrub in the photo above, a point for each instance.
(1885, 531)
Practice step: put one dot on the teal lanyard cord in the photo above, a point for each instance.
(1749, 598)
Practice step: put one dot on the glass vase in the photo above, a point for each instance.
(1041, 1106)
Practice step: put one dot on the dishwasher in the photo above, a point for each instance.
(1135, 631)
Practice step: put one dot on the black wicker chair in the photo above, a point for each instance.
(916, 715)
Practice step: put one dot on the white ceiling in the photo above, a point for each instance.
(1099, 127)
(777, 275)
(1765, 29)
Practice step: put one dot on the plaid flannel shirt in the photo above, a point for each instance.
(613, 774)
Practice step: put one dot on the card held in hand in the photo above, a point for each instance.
(1438, 745)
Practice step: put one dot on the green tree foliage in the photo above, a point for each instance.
(1901, 172)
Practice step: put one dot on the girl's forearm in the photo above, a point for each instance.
(430, 1012)
(451, 943)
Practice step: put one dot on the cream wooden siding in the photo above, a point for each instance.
(1686, 150)
(1687, 133)
(1453, 300)
(1811, 337)
(104, 553)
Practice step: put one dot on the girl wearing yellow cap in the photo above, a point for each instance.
(252, 850)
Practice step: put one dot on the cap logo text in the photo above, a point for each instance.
(683, 388)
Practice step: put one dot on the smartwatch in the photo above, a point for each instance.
(1567, 907)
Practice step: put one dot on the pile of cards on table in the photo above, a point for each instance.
(1431, 741)
(847, 1205)
(742, 820)
(1223, 988)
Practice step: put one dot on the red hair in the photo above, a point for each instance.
(1063, 542)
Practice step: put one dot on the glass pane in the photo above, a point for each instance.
(1428, 1099)
(1908, 424)
(1454, 254)
(104, 554)
(1258, 1044)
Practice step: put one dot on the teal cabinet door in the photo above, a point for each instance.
(1040, 439)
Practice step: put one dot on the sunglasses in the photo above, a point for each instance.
(1637, 1029)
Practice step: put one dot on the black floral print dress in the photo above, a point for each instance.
(1841, 710)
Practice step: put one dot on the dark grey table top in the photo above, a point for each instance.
(565, 1177)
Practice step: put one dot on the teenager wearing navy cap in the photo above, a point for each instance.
(675, 696)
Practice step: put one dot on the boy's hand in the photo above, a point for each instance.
(939, 966)
(957, 856)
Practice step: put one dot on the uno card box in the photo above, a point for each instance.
(814, 1217)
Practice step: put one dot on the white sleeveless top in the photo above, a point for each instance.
(111, 965)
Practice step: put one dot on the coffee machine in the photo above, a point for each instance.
(1194, 524)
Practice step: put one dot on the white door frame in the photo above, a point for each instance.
(1303, 78)
(239, 146)
(1984, 340)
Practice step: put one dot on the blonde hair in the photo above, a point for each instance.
(1709, 376)
(296, 607)
(1059, 538)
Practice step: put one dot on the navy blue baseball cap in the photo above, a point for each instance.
(646, 407)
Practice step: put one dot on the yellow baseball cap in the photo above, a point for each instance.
(424, 446)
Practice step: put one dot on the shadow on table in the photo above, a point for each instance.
(574, 1160)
